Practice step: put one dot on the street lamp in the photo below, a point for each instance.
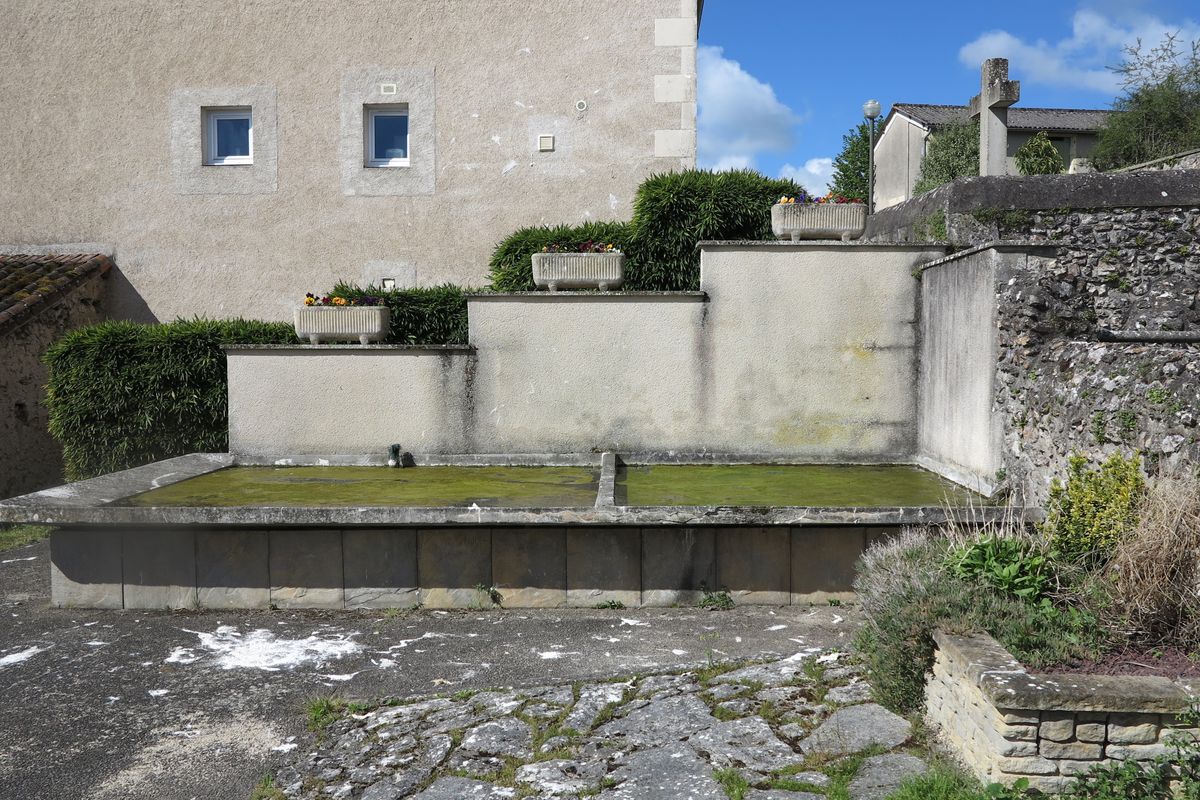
(871, 112)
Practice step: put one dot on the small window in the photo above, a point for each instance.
(229, 136)
(387, 136)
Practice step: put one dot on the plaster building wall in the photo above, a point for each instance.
(30, 458)
(101, 142)
(898, 155)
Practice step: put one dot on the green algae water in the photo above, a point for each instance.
(488, 487)
(786, 485)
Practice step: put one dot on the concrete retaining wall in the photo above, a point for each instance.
(803, 350)
(958, 433)
(1007, 724)
(529, 567)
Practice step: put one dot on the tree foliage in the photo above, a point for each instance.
(851, 166)
(1039, 156)
(953, 153)
(1159, 113)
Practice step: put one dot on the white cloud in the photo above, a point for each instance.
(738, 116)
(813, 176)
(1079, 60)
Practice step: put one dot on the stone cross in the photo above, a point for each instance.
(996, 94)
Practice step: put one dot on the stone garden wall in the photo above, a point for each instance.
(1097, 331)
(1007, 724)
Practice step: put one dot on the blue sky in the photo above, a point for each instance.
(780, 81)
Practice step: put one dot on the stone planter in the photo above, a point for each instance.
(601, 271)
(1007, 724)
(342, 323)
(799, 221)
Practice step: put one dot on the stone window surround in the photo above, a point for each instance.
(189, 172)
(412, 87)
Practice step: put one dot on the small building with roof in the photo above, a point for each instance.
(906, 133)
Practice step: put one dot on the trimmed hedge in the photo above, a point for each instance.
(671, 213)
(122, 394)
(511, 267)
(433, 315)
(675, 210)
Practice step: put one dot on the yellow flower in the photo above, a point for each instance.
(308, 301)
(339, 301)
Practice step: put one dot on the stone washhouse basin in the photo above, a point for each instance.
(800, 221)
(364, 324)
(214, 530)
(556, 271)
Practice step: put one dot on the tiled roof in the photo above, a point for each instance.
(28, 283)
(1021, 119)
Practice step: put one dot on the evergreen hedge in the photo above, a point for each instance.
(122, 394)
(674, 211)
(433, 315)
(671, 213)
(511, 267)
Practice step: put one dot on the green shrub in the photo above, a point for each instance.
(122, 394)
(1152, 121)
(907, 590)
(1039, 156)
(433, 315)
(675, 210)
(953, 153)
(1094, 508)
(1011, 566)
(511, 267)
(940, 783)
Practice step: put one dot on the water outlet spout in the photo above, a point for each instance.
(395, 456)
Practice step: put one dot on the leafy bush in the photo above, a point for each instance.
(1039, 156)
(1095, 508)
(511, 267)
(850, 168)
(953, 153)
(675, 210)
(1011, 566)
(943, 782)
(433, 315)
(122, 394)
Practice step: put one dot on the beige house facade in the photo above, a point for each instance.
(231, 155)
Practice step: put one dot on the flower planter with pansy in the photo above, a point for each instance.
(339, 319)
(591, 265)
(829, 217)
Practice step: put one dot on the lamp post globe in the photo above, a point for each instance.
(871, 109)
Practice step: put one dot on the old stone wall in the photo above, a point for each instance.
(1098, 331)
(1006, 724)
(30, 459)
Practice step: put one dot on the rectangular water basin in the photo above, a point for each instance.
(819, 485)
(424, 487)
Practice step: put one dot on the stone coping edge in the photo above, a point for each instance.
(588, 295)
(999, 245)
(819, 243)
(1008, 685)
(390, 516)
(352, 348)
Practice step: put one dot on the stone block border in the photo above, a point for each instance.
(1006, 723)
(461, 566)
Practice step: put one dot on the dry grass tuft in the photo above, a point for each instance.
(1154, 573)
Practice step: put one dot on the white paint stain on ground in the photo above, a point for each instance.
(509, 167)
(262, 649)
(20, 656)
(157, 692)
(776, 627)
(553, 655)
(635, 623)
(15, 560)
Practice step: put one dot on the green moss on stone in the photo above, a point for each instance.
(496, 487)
(786, 485)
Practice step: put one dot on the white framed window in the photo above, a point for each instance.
(228, 136)
(386, 135)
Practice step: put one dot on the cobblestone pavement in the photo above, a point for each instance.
(795, 728)
(112, 705)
